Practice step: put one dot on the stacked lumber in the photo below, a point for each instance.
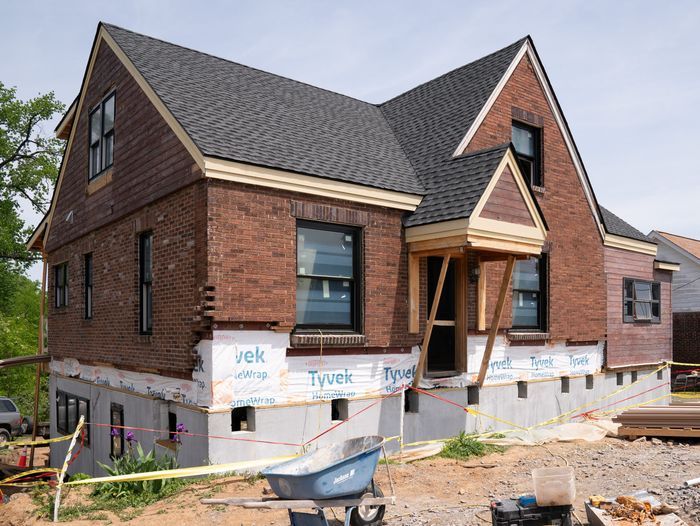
(660, 420)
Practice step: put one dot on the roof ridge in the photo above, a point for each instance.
(519, 41)
(239, 64)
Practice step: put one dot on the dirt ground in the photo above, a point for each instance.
(438, 491)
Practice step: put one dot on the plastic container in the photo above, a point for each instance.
(554, 486)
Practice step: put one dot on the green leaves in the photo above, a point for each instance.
(29, 160)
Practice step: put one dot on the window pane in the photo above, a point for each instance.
(629, 311)
(642, 310)
(61, 412)
(109, 114)
(72, 414)
(656, 291)
(656, 310)
(524, 140)
(324, 253)
(108, 156)
(146, 255)
(95, 126)
(526, 275)
(525, 307)
(324, 302)
(629, 288)
(94, 159)
(642, 290)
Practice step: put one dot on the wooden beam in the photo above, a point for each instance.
(39, 352)
(431, 320)
(413, 294)
(433, 244)
(481, 297)
(493, 331)
(461, 314)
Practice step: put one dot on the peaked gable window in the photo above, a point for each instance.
(642, 301)
(101, 136)
(527, 141)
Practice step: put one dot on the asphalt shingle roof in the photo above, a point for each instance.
(456, 186)
(236, 112)
(614, 225)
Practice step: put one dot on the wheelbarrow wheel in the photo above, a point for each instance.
(368, 515)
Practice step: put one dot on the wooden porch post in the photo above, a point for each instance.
(413, 293)
(493, 331)
(40, 350)
(481, 298)
(431, 321)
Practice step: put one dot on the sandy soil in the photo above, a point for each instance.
(437, 491)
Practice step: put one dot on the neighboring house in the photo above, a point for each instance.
(685, 251)
(257, 258)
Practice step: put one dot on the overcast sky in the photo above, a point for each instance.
(627, 74)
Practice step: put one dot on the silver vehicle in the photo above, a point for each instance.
(10, 420)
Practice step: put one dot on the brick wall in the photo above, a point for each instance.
(576, 279)
(686, 337)
(636, 343)
(149, 160)
(252, 257)
(112, 335)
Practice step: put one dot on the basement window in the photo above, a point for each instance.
(527, 141)
(101, 136)
(473, 395)
(339, 409)
(410, 403)
(660, 374)
(243, 419)
(620, 378)
(522, 389)
(641, 301)
(61, 285)
(69, 409)
(589, 381)
(565, 384)
(116, 418)
(634, 376)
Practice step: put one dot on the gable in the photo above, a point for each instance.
(506, 202)
(150, 160)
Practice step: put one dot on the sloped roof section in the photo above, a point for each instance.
(431, 119)
(239, 113)
(456, 186)
(688, 244)
(614, 225)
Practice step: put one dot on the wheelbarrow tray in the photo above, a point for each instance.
(329, 472)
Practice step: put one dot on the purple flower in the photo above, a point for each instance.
(180, 428)
(130, 437)
(115, 432)
(175, 437)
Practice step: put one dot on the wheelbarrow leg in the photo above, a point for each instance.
(297, 518)
(348, 514)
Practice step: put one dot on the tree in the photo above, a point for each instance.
(29, 160)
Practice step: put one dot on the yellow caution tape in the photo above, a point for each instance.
(684, 364)
(497, 419)
(185, 472)
(36, 442)
(8, 481)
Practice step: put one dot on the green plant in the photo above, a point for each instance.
(464, 446)
(136, 461)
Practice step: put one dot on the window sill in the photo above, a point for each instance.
(537, 189)
(330, 340)
(521, 335)
(101, 180)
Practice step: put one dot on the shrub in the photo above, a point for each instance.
(464, 446)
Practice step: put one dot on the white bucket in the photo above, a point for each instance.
(554, 486)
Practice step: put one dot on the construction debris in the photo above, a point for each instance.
(660, 420)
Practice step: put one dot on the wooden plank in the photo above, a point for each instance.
(429, 327)
(498, 312)
(277, 503)
(481, 297)
(461, 313)
(635, 431)
(439, 243)
(413, 294)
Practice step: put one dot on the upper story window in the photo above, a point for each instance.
(530, 294)
(146, 283)
(101, 135)
(61, 285)
(641, 301)
(327, 276)
(87, 280)
(528, 145)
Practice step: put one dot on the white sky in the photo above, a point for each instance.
(627, 73)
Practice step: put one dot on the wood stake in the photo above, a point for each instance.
(431, 321)
(493, 331)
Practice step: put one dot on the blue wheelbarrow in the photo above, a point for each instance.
(336, 476)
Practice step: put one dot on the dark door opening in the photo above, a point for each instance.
(441, 349)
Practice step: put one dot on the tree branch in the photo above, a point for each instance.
(22, 144)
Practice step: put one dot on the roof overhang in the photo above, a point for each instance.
(666, 265)
(481, 233)
(64, 127)
(661, 238)
(626, 243)
(307, 184)
(36, 241)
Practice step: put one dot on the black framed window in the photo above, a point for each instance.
(527, 141)
(530, 293)
(641, 301)
(61, 285)
(88, 286)
(327, 276)
(146, 283)
(101, 134)
(116, 418)
(69, 409)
